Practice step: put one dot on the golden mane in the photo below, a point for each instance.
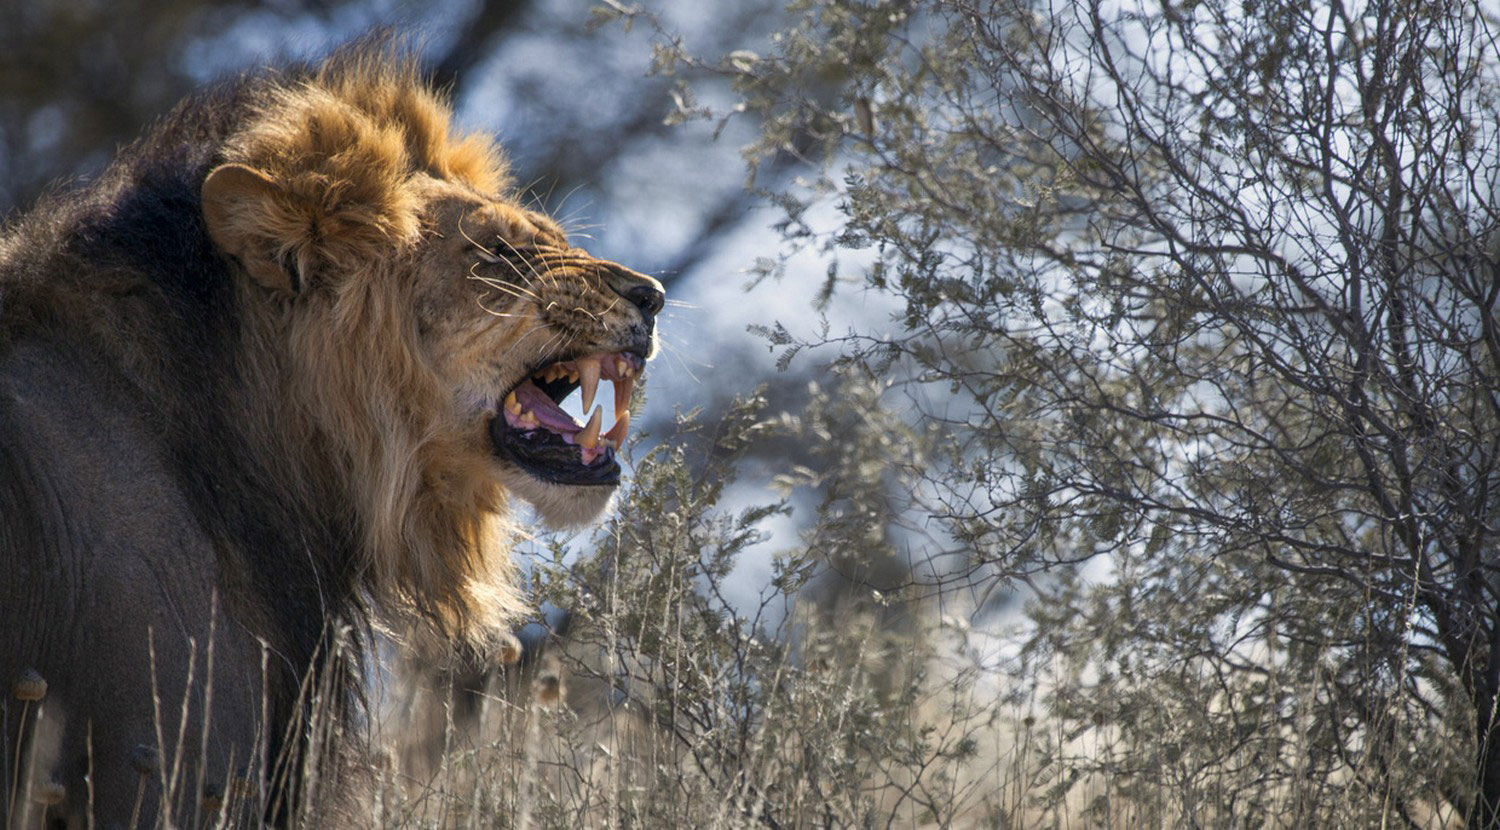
(344, 146)
(344, 143)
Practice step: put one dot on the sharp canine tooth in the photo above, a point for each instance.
(588, 372)
(623, 388)
(590, 435)
(621, 428)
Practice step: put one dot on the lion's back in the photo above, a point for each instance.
(99, 551)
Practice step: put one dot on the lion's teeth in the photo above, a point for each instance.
(529, 419)
(512, 405)
(621, 428)
(623, 388)
(589, 437)
(588, 380)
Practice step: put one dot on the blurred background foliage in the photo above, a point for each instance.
(1072, 414)
(573, 103)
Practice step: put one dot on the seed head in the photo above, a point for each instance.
(30, 686)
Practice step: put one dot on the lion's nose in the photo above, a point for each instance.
(648, 298)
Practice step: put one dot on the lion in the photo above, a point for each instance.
(282, 370)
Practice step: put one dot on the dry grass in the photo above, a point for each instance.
(856, 726)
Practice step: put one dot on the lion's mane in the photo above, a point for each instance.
(317, 477)
(324, 442)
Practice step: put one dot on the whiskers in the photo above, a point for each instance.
(551, 341)
(520, 292)
(539, 204)
(489, 255)
(546, 348)
(530, 266)
(682, 355)
(496, 257)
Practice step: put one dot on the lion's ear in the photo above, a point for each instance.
(241, 207)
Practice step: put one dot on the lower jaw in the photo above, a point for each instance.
(558, 506)
(552, 460)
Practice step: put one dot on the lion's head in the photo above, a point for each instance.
(421, 327)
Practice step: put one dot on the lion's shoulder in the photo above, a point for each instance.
(88, 483)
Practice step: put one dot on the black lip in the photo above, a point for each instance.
(548, 457)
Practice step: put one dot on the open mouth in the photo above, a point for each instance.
(532, 430)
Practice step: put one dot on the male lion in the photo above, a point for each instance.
(278, 370)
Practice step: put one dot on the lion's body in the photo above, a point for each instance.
(257, 390)
(115, 326)
(102, 550)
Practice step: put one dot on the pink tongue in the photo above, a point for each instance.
(534, 400)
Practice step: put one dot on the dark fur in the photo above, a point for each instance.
(128, 496)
